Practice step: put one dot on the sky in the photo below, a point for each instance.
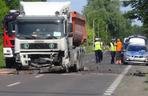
(76, 5)
(135, 21)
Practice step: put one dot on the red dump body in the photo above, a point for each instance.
(78, 28)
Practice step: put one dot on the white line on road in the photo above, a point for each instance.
(40, 75)
(13, 84)
(117, 81)
(70, 74)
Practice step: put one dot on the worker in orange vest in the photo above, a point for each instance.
(118, 51)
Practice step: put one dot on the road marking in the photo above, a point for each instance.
(117, 81)
(13, 84)
(70, 74)
(40, 75)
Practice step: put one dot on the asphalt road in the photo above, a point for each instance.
(97, 80)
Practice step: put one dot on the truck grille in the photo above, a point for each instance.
(39, 46)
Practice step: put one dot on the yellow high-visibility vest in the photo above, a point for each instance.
(112, 47)
(97, 45)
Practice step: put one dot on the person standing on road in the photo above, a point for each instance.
(101, 50)
(113, 50)
(97, 46)
(118, 51)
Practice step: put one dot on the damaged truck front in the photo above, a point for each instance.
(44, 37)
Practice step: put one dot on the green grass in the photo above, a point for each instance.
(2, 63)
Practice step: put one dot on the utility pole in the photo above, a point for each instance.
(93, 32)
(106, 33)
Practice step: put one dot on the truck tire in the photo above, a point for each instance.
(82, 63)
(18, 67)
(66, 69)
(10, 62)
(75, 68)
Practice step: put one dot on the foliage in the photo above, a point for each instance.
(108, 21)
(2, 64)
(13, 4)
(139, 11)
(3, 11)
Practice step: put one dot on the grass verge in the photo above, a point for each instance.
(2, 63)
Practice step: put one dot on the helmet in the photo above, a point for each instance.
(113, 39)
(96, 38)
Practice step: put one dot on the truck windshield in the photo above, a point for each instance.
(40, 30)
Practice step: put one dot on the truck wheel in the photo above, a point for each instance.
(18, 67)
(82, 63)
(75, 68)
(10, 62)
(82, 68)
(66, 69)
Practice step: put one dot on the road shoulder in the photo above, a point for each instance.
(5, 71)
(133, 85)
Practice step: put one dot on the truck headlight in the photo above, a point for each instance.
(52, 45)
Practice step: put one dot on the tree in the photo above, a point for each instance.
(3, 11)
(109, 21)
(139, 11)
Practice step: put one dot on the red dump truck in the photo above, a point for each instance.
(49, 36)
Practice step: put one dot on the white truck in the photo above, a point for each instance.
(49, 36)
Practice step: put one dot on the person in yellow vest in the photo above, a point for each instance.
(101, 49)
(97, 46)
(112, 51)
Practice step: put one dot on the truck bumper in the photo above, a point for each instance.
(39, 59)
